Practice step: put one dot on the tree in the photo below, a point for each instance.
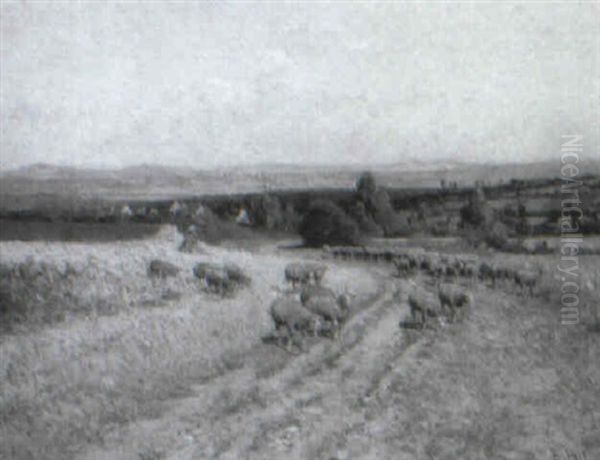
(272, 212)
(366, 186)
(378, 206)
(327, 223)
(497, 236)
(473, 213)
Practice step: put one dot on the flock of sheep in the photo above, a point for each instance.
(445, 296)
(451, 296)
(309, 308)
(455, 267)
(409, 261)
(221, 279)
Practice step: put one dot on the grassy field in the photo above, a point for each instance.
(107, 363)
(115, 347)
(11, 230)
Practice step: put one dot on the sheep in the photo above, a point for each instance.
(217, 280)
(222, 279)
(468, 269)
(161, 269)
(487, 272)
(199, 269)
(426, 263)
(412, 261)
(236, 274)
(402, 266)
(318, 274)
(453, 296)
(422, 303)
(437, 270)
(309, 292)
(526, 280)
(346, 252)
(289, 313)
(458, 264)
(297, 273)
(451, 271)
(503, 273)
(431, 264)
(302, 273)
(325, 304)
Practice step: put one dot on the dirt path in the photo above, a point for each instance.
(472, 390)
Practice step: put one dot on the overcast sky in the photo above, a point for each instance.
(115, 84)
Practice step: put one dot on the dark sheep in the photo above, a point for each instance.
(161, 269)
(526, 280)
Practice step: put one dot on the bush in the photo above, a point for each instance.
(208, 227)
(497, 236)
(476, 213)
(326, 223)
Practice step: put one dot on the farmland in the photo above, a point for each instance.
(427, 198)
(126, 366)
(137, 320)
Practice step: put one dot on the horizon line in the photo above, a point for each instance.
(365, 166)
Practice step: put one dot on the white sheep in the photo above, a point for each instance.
(302, 273)
(453, 296)
(526, 280)
(323, 302)
(289, 313)
(423, 304)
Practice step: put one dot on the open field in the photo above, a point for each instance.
(127, 367)
(12, 229)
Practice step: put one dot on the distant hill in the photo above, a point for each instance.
(156, 182)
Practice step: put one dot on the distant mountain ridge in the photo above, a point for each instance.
(158, 181)
(48, 170)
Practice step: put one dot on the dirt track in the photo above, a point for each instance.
(487, 387)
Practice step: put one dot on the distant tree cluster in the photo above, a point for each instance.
(371, 215)
(327, 223)
(375, 203)
(269, 212)
(483, 225)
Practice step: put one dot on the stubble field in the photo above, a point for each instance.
(112, 364)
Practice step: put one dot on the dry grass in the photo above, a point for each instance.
(548, 288)
(102, 358)
(87, 354)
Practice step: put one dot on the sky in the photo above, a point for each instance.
(109, 84)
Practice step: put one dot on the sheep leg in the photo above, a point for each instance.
(335, 328)
(281, 336)
(446, 310)
(290, 338)
(452, 313)
(298, 340)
